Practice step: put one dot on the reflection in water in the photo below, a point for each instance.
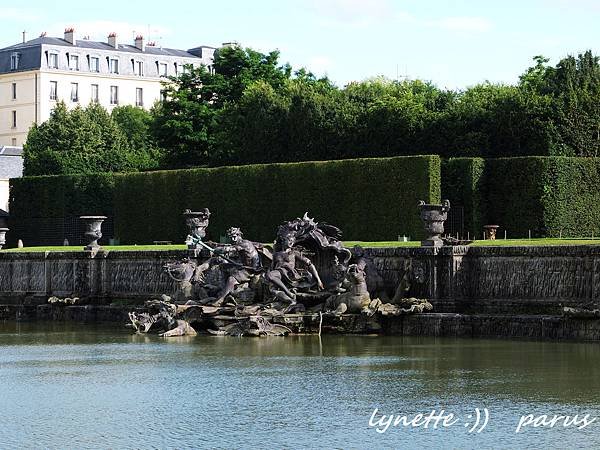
(92, 386)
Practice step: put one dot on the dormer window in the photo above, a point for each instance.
(94, 64)
(14, 61)
(138, 67)
(113, 65)
(53, 60)
(162, 69)
(74, 62)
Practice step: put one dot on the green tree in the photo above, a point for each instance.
(81, 140)
(136, 124)
(187, 121)
(575, 86)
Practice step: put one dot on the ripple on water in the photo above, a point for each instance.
(110, 389)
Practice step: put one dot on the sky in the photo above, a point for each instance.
(454, 44)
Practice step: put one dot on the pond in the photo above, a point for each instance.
(98, 386)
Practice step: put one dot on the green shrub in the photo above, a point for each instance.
(571, 197)
(369, 199)
(549, 196)
(463, 184)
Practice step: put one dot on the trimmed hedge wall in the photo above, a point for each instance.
(515, 189)
(551, 196)
(463, 184)
(369, 199)
(38, 205)
(571, 196)
(60, 196)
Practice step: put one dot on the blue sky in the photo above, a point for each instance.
(454, 43)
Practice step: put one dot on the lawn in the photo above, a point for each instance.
(106, 247)
(349, 244)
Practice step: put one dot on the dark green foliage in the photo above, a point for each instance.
(250, 109)
(43, 202)
(571, 197)
(551, 196)
(136, 124)
(369, 199)
(515, 188)
(62, 196)
(81, 140)
(187, 122)
(463, 184)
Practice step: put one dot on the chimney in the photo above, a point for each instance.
(24, 36)
(139, 42)
(112, 40)
(70, 36)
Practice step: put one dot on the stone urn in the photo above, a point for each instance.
(196, 221)
(433, 217)
(3, 237)
(489, 231)
(93, 230)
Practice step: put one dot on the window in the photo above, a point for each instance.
(14, 91)
(74, 62)
(95, 96)
(53, 90)
(176, 67)
(13, 142)
(94, 64)
(53, 60)
(162, 69)
(139, 97)
(139, 68)
(113, 65)
(14, 60)
(114, 95)
(74, 92)
(14, 119)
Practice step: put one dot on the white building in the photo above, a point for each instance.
(35, 74)
(11, 166)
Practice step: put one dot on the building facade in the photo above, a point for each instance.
(36, 74)
(11, 166)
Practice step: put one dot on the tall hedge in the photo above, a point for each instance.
(571, 197)
(369, 199)
(515, 189)
(35, 201)
(60, 196)
(463, 184)
(549, 196)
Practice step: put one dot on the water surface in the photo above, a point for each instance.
(89, 386)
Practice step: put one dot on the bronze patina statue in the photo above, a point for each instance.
(248, 262)
(290, 269)
(242, 288)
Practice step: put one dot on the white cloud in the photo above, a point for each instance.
(464, 24)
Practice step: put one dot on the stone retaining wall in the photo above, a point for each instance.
(507, 280)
